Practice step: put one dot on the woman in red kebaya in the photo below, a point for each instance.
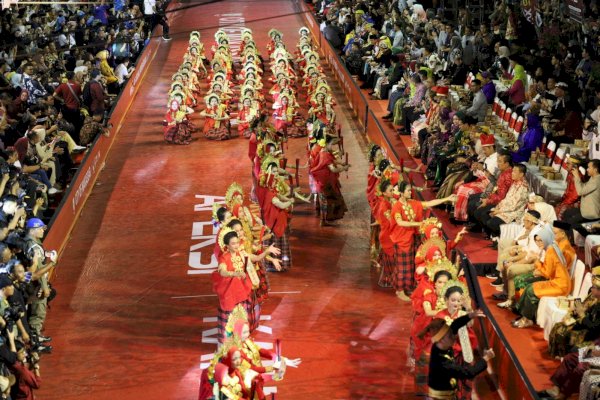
(325, 171)
(407, 215)
(230, 281)
(387, 254)
(425, 306)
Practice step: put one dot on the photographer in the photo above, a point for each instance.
(19, 299)
(10, 315)
(36, 255)
(27, 374)
(11, 212)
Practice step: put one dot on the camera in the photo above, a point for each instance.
(11, 315)
(4, 168)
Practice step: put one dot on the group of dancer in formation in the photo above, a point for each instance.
(253, 230)
(416, 261)
(253, 234)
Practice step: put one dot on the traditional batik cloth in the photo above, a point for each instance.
(388, 267)
(404, 274)
(283, 244)
(178, 133)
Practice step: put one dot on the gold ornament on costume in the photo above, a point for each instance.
(430, 221)
(437, 242)
(238, 314)
(433, 267)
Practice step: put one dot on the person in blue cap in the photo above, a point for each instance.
(36, 255)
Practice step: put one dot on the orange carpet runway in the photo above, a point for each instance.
(134, 315)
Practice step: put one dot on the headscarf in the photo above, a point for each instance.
(428, 230)
(228, 359)
(431, 252)
(545, 233)
(238, 327)
(519, 74)
(547, 236)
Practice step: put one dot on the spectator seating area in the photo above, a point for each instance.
(502, 113)
(62, 70)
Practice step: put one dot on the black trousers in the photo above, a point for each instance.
(472, 204)
(493, 225)
(157, 19)
(482, 214)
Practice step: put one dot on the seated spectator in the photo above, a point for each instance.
(92, 128)
(567, 377)
(478, 109)
(589, 210)
(531, 139)
(123, 71)
(551, 276)
(512, 207)
(570, 198)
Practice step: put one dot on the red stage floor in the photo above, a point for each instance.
(130, 317)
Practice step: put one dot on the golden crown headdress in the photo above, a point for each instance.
(233, 189)
(224, 231)
(456, 283)
(430, 221)
(441, 265)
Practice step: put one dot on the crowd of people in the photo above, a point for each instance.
(258, 98)
(453, 84)
(61, 69)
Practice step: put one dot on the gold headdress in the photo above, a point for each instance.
(268, 159)
(215, 209)
(177, 92)
(221, 239)
(456, 283)
(274, 32)
(233, 189)
(303, 30)
(220, 353)
(430, 221)
(210, 96)
(441, 265)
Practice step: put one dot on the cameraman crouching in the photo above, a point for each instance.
(27, 374)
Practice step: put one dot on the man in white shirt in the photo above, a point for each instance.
(516, 257)
(123, 72)
(154, 17)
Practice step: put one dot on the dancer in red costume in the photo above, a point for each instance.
(231, 282)
(407, 215)
(426, 304)
(325, 171)
(458, 304)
